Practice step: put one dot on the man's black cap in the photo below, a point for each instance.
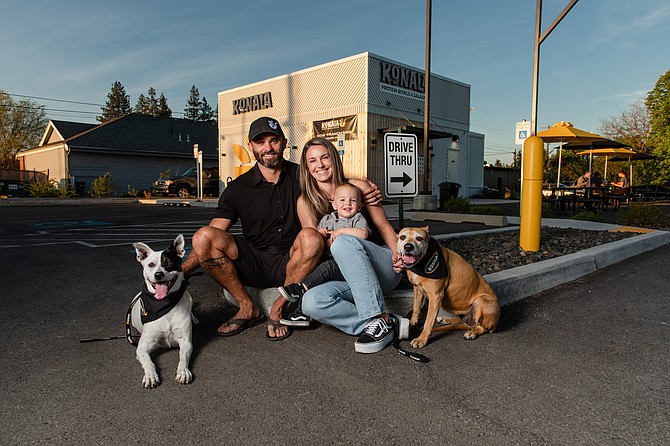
(264, 125)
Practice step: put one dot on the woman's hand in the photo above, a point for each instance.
(398, 266)
(372, 196)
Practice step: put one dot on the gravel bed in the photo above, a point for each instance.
(498, 251)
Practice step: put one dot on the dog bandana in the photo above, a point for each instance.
(153, 309)
(432, 265)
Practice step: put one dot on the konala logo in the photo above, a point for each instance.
(243, 155)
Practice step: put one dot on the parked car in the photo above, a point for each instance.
(185, 185)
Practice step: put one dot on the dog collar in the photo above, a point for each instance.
(153, 309)
(432, 264)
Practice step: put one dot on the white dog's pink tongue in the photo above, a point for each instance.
(161, 290)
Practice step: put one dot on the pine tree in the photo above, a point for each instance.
(163, 109)
(117, 105)
(153, 102)
(142, 105)
(206, 113)
(192, 110)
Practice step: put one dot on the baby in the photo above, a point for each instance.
(346, 219)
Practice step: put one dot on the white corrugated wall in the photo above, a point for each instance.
(345, 87)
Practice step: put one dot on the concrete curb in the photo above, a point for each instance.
(488, 220)
(63, 201)
(524, 281)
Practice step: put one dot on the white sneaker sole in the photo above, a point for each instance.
(373, 347)
(290, 323)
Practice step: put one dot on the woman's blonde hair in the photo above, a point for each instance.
(316, 200)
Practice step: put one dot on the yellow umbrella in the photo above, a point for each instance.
(565, 132)
(608, 151)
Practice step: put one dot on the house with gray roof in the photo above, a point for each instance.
(134, 149)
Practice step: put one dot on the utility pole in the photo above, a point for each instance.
(426, 101)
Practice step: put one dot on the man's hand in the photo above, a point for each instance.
(373, 196)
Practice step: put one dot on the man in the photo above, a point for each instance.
(583, 181)
(274, 250)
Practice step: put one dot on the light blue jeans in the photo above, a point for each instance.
(368, 271)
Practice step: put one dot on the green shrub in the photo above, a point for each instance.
(589, 216)
(485, 210)
(43, 189)
(132, 192)
(103, 186)
(457, 205)
(63, 191)
(643, 216)
(547, 212)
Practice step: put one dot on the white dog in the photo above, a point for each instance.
(162, 310)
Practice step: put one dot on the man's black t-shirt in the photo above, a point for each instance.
(266, 211)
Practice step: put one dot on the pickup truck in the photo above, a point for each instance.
(185, 185)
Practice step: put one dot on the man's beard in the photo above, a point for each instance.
(268, 163)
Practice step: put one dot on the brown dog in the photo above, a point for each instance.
(447, 280)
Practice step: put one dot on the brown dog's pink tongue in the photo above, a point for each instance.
(161, 290)
(408, 259)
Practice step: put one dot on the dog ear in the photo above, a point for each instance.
(427, 229)
(178, 246)
(142, 251)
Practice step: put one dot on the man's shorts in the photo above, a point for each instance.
(260, 268)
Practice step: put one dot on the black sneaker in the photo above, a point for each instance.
(292, 292)
(377, 335)
(400, 326)
(294, 315)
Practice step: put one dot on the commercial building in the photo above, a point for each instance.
(354, 101)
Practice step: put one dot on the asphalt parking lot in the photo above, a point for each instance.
(583, 363)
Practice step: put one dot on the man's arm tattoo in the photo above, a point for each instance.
(209, 264)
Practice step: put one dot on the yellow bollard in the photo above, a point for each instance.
(531, 194)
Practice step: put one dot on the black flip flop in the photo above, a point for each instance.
(276, 324)
(242, 324)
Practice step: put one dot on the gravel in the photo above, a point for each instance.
(498, 251)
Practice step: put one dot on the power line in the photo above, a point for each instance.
(55, 100)
(70, 102)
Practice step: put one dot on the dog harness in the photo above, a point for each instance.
(157, 308)
(432, 265)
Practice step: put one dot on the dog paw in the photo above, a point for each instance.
(150, 381)
(184, 376)
(469, 335)
(417, 343)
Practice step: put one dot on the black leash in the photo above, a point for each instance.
(129, 336)
(415, 356)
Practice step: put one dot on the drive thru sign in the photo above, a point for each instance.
(401, 166)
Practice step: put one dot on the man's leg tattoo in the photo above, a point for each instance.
(218, 262)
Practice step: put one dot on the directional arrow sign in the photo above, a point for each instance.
(401, 164)
(404, 179)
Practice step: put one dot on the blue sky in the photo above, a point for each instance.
(603, 56)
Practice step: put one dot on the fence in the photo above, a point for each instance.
(23, 175)
(12, 181)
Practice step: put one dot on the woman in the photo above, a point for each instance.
(370, 267)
